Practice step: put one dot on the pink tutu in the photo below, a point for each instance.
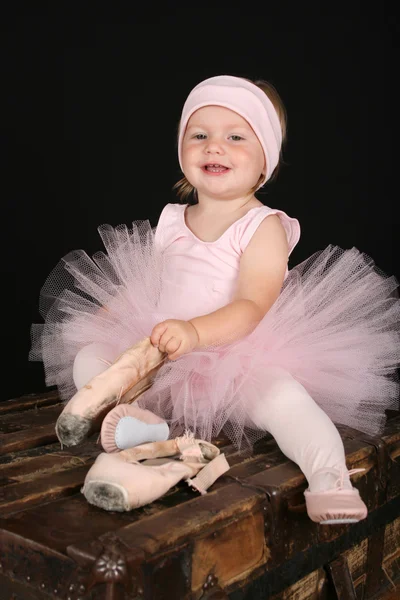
(335, 328)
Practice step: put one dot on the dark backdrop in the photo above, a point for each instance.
(93, 98)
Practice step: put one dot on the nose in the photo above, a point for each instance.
(213, 146)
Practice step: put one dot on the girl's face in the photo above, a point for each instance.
(221, 155)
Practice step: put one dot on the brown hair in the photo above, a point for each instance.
(184, 189)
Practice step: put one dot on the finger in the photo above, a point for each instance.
(163, 339)
(165, 342)
(172, 345)
(177, 353)
(157, 333)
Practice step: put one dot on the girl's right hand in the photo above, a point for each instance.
(175, 337)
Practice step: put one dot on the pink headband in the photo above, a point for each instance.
(248, 101)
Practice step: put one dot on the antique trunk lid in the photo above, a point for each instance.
(250, 532)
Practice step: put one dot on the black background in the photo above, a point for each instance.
(92, 97)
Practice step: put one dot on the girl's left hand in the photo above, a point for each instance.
(174, 337)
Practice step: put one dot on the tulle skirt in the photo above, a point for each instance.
(334, 327)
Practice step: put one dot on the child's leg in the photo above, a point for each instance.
(123, 427)
(126, 425)
(92, 360)
(303, 431)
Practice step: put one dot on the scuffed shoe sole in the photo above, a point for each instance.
(106, 495)
(339, 521)
(72, 429)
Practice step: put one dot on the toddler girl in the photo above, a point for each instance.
(252, 348)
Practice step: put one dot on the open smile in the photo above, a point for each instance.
(215, 169)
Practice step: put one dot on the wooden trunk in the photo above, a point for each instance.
(248, 538)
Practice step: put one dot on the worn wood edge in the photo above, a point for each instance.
(48, 413)
(17, 497)
(8, 537)
(40, 435)
(29, 401)
(26, 455)
(28, 568)
(161, 532)
(30, 466)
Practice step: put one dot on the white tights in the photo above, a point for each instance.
(302, 430)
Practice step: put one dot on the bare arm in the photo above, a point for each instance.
(262, 272)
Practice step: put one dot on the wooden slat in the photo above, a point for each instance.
(28, 402)
(30, 480)
(28, 429)
(13, 422)
(16, 457)
(34, 467)
(37, 436)
(50, 486)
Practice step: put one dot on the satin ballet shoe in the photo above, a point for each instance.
(119, 482)
(130, 375)
(336, 506)
(127, 426)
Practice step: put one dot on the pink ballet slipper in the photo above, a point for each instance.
(128, 377)
(127, 426)
(119, 482)
(336, 506)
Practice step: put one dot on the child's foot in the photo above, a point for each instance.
(338, 505)
(127, 426)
